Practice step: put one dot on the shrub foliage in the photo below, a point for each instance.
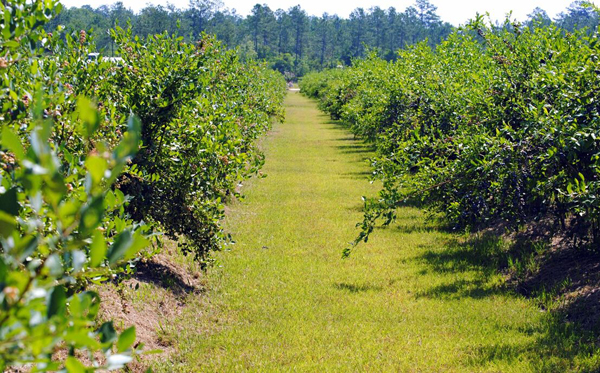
(96, 156)
(493, 125)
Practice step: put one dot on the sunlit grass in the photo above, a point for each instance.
(414, 298)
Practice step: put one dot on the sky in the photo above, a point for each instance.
(454, 11)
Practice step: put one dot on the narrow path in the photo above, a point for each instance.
(413, 299)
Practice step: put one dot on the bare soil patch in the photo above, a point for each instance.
(566, 271)
(154, 296)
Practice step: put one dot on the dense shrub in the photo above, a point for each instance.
(95, 158)
(202, 110)
(61, 225)
(493, 125)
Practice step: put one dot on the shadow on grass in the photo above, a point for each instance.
(567, 337)
(413, 221)
(483, 253)
(357, 207)
(356, 148)
(338, 124)
(356, 288)
(418, 228)
(361, 175)
(481, 355)
(476, 289)
(558, 347)
(346, 138)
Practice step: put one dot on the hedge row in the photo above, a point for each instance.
(493, 126)
(97, 157)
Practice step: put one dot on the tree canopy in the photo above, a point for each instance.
(291, 40)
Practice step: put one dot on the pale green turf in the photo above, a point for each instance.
(409, 300)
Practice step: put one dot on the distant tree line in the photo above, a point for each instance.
(290, 40)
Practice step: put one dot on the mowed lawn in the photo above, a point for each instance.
(414, 299)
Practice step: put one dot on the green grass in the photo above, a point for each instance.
(413, 299)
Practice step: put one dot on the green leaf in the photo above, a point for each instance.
(110, 200)
(3, 270)
(107, 332)
(55, 188)
(13, 143)
(91, 216)
(96, 166)
(120, 197)
(97, 249)
(75, 308)
(24, 247)
(11, 44)
(130, 142)
(9, 202)
(139, 242)
(74, 366)
(89, 116)
(39, 140)
(126, 339)
(120, 246)
(57, 302)
(7, 224)
(80, 338)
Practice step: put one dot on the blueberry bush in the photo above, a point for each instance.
(98, 157)
(496, 125)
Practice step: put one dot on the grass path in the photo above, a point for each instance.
(412, 299)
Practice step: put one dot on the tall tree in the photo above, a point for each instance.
(284, 24)
(538, 17)
(154, 20)
(299, 23)
(358, 25)
(226, 25)
(426, 13)
(323, 34)
(577, 16)
(199, 13)
(288, 39)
